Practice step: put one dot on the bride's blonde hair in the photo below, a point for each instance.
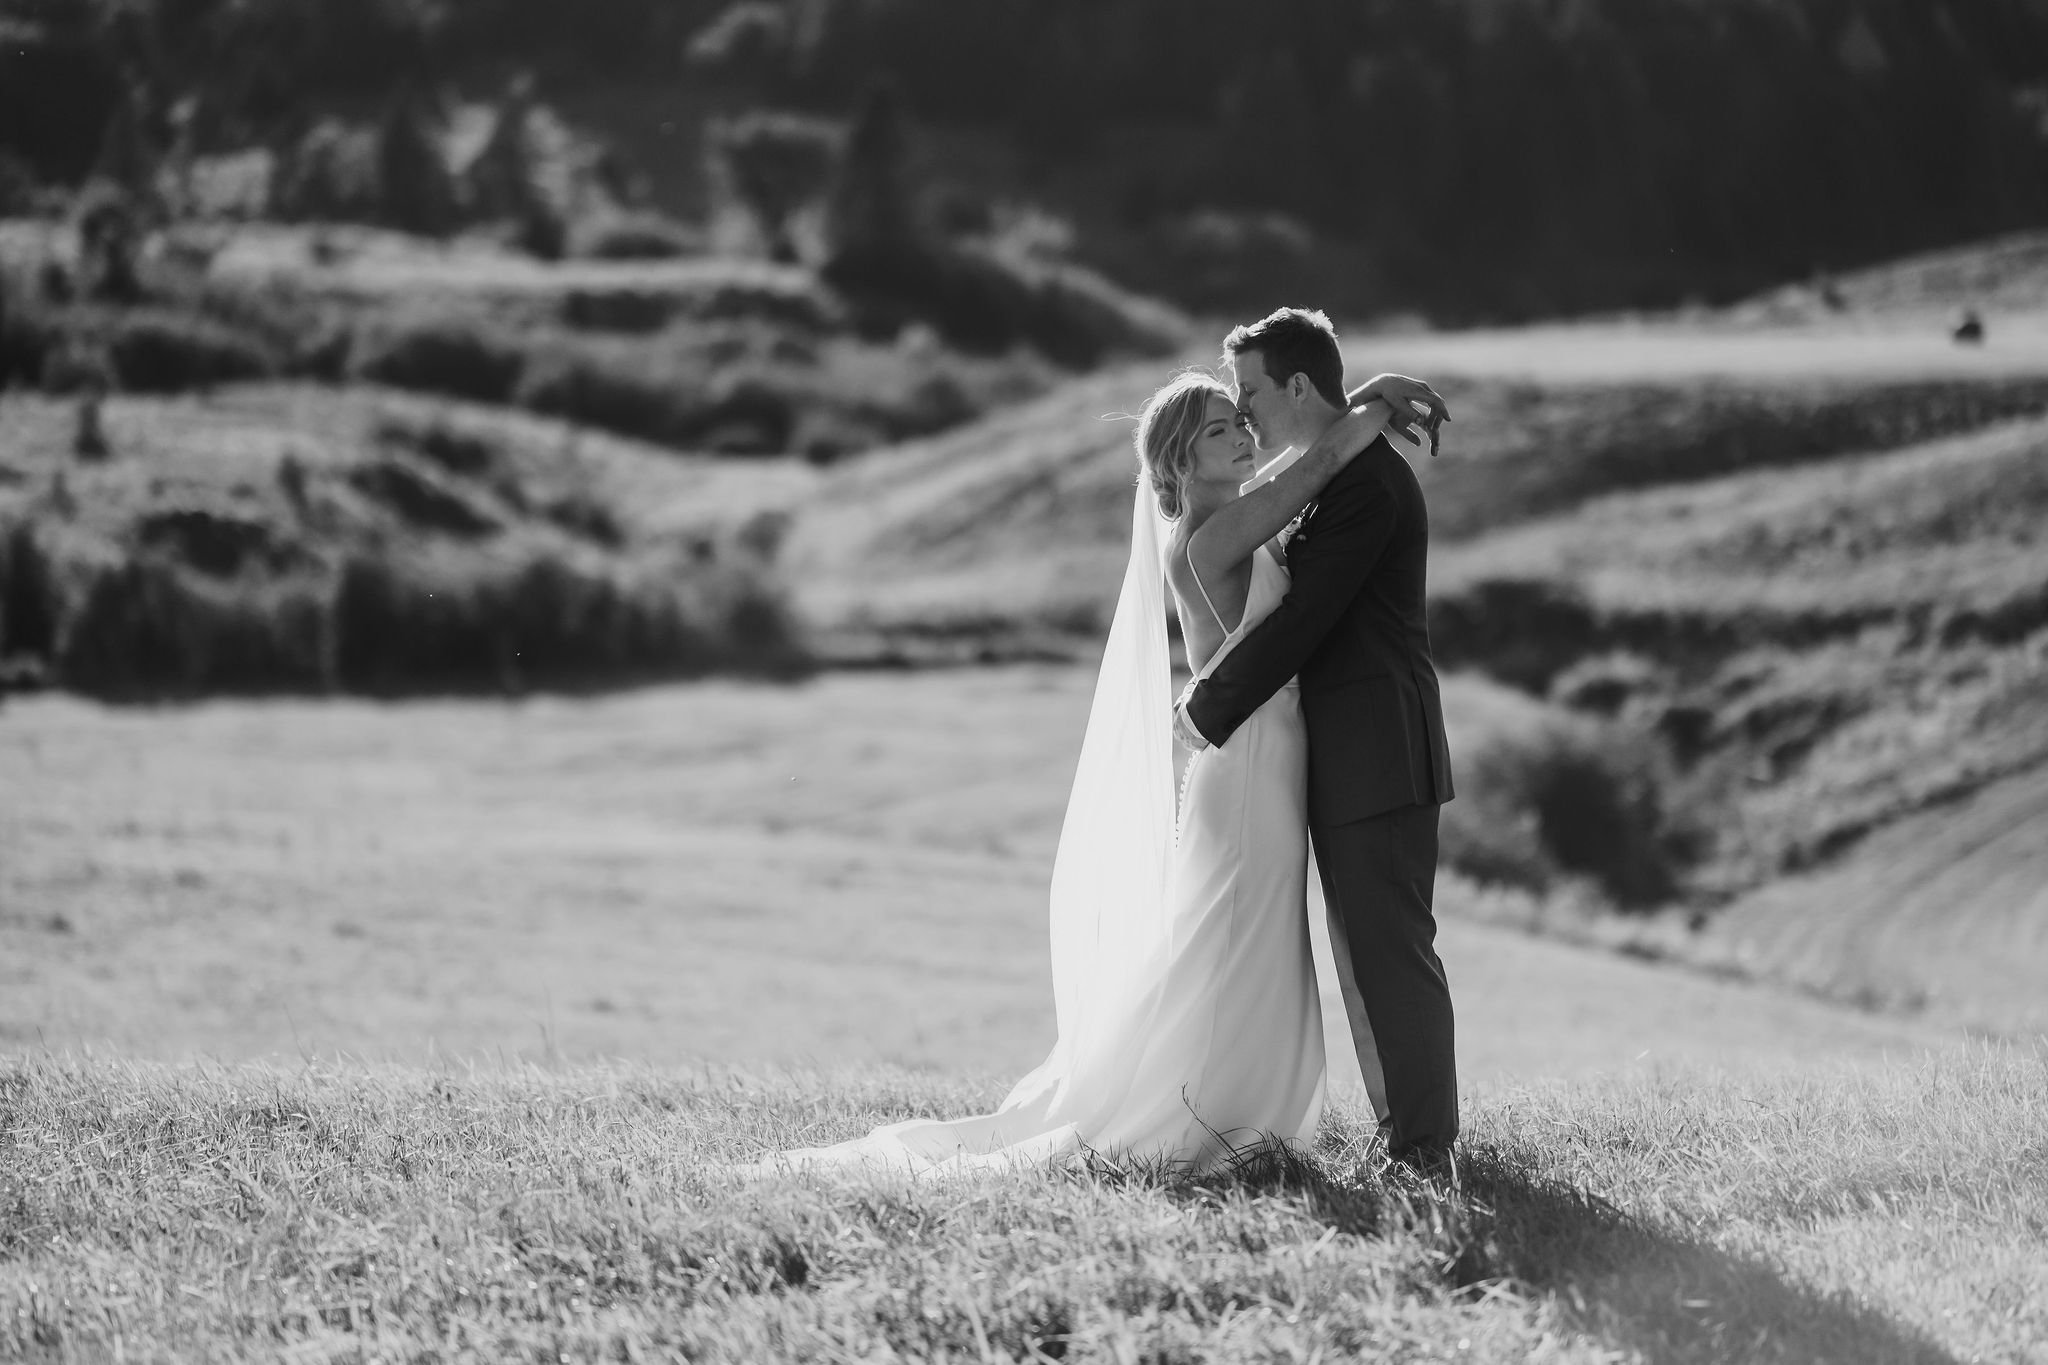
(1167, 429)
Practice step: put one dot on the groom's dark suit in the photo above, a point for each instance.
(1353, 628)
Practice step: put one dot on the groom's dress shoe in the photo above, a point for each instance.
(1438, 1165)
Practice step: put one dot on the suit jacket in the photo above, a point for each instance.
(1353, 627)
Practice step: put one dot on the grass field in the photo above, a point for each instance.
(1788, 581)
(851, 869)
(488, 990)
(353, 1212)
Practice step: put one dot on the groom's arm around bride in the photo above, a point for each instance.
(1353, 628)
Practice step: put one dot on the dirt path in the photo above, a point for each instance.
(850, 868)
(1607, 353)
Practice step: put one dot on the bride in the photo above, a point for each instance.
(1189, 1022)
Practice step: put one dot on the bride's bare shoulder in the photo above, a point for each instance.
(1177, 550)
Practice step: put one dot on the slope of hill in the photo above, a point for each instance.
(1997, 279)
(1944, 911)
(1826, 648)
(303, 538)
(1770, 592)
(1009, 529)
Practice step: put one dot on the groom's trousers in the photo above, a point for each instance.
(1379, 878)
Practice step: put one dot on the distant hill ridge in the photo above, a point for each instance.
(1711, 148)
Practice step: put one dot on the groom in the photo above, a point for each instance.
(1352, 627)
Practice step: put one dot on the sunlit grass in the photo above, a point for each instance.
(359, 1212)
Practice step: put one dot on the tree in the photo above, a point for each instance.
(105, 219)
(773, 164)
(869, 213)
(417, 191)
(504, 181)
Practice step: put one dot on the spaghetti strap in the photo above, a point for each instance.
(1214, 614)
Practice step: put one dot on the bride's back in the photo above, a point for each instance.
(1201, 632)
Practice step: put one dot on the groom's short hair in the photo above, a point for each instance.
(1294, 341)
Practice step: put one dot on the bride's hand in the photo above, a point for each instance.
(1347, 437)
(1350, 434)
(1411, 400)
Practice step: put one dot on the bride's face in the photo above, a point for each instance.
(1223, 449)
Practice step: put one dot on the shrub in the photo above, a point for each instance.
(546, 622)
(619, 310)
(465, 453)
(1545, 794)
(143, 628)
(759, 634)
(217, 543)
(749, 414)
(160, 351)
(422, 501)
(458, 358)
(28, 601)
(27, 332)
(108, 229)
(77, 363)
(585, 518)
(609, 390)
(306, 335)
(330, 175)
(633, 235)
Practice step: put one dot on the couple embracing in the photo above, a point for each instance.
(1189, 1019)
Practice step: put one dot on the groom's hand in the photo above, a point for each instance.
(1412, 400)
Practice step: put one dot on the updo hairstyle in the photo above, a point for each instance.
(1167, 429)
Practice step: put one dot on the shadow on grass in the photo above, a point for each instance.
(1657, 1292)
(1651, 1291)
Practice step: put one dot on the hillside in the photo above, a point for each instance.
(1011, 525)
(1941, 912)
(306, 538)
(1765, 591)
(1887, 1217)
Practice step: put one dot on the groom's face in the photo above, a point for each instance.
(1264, 403)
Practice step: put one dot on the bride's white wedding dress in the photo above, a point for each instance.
(1189, 1019)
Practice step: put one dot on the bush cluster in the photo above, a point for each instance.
(178, 621)
(1546, 794)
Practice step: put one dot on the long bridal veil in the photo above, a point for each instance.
(1109, 878)
(1109, 910)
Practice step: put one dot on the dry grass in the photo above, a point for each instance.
(1004, 535)
(1946, 535)
(1835, 647)
(850, 869)
(518, 1213)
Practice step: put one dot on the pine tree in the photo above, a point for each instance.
(773, 164)
(869, 213)
(416, 189)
